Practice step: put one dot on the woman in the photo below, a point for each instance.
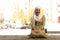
(37, 24)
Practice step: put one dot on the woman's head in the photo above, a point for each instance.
(37, 11)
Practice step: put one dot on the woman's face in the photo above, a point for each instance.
(37, 11)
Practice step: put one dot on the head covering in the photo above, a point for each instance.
(34, 17)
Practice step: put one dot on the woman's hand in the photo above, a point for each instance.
(37, 30)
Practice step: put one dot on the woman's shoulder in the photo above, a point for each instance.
(43, 16)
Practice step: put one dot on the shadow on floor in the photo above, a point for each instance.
(24, 38)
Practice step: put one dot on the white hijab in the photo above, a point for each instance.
(34, 17)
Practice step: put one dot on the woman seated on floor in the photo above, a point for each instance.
(37, 24)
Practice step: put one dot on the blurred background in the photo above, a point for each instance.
(19, 12)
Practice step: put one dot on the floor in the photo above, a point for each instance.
(51, 36)
(24, 38)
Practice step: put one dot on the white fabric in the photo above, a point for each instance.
(37, 18)
(34, 17)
